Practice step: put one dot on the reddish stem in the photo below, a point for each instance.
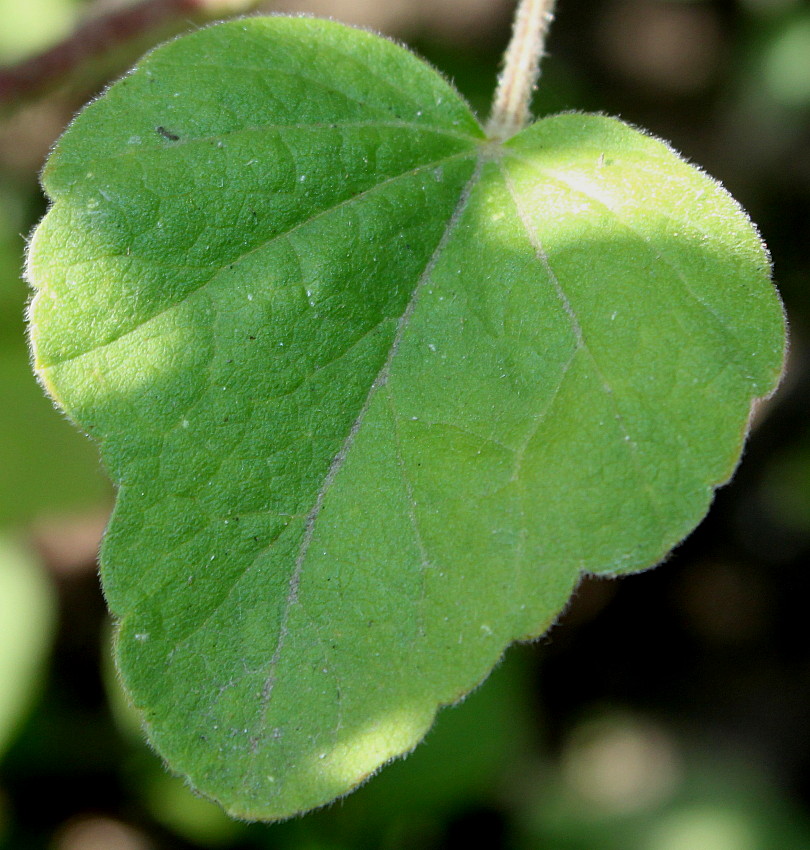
(94, 39)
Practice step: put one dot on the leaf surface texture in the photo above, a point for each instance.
(375, 391)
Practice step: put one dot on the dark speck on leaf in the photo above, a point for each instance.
(162, 131)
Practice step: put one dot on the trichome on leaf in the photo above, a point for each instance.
(375, 389)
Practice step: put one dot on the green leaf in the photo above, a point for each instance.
(375, 390)
(47, 466)
(27, 612)
(34, 25)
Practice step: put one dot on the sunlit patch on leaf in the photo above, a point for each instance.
(375, 390)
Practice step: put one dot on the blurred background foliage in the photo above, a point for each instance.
(666, 711)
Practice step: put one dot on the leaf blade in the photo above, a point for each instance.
(370, 426)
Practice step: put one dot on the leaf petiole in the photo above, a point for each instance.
(510, 108)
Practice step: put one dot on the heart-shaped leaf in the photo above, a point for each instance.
(375, 390)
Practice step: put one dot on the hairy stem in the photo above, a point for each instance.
(510, 110)
(98, 37)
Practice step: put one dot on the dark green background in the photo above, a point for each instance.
(666, 711)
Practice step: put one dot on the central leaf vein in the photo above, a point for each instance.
(340, 458)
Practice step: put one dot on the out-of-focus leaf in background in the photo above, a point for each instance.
(786, 66)
(625, 780)
(34, 25)
(27, 610)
